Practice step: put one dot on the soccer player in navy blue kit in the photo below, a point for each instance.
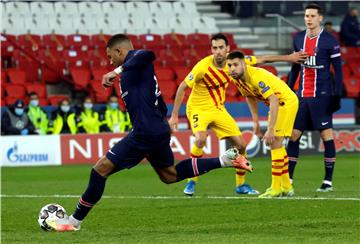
(150, 136)
(319, 94)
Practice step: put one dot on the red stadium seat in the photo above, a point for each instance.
(175, 40)
(16, 76)
(39, 89)
(29, 41)
(151, 41)
(231, 40)
(3, 77)
(2, 102)
(199, 39)
(352, 86)
(135, 41)
(164, 74)
(99, 41)
(10, 100)
(270, 68)
(181, 73)
(43, 102)
(99, 93)
(55, 100)
(15, 91)
(76, 58)
(97, 73)
(78, 41)
(53, 65)
(355, 66)
(168, 89)
(347, 72)
(7, 48)
(81, 78)
(54, 41)
(98, 58)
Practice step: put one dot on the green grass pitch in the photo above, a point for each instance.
(130, 212)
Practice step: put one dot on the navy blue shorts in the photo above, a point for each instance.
(314, 114)
(128, 152)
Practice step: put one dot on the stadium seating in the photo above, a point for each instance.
(55, 100)
(38, 88)
(99, 93)
(81, 78)
(352, 86)
(16, 76)
(15, 91)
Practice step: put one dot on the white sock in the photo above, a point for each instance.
(327, 182)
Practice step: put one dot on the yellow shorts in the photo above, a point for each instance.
(219, 121)
(286, 118)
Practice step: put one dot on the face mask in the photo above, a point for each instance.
(19, 111)
(88, 105)
(34, 103)
(65, 108)
(114, 105)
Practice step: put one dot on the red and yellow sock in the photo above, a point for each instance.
(285, 178)
(277, 159)
(196, 152)
(240, 175)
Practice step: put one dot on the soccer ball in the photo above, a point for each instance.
(51, 211)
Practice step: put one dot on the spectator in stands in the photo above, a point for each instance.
(114, 120)
(37, 115)
(350, 29)
(328, 26)
(88, 119)
(63, 119)
(15, 121)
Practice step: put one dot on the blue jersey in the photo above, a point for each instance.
(315, 77)
(141, 94)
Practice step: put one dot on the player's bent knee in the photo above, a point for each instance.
(295, 135)
(167, 175)
(200, 142)
(104, 166)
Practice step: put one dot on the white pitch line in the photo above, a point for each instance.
(186, 197)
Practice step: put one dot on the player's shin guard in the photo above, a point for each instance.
(196, 166)
(196, 152)
(293, 154)
(91, 196)
(329, 160)
(277, 159)
(285, 179)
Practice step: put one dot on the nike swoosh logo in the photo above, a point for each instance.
(324, 123)
(111, 152)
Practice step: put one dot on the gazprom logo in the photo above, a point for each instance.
(14, 156)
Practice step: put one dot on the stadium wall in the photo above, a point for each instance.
(86, 149)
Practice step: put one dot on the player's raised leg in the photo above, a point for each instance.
(91, 196)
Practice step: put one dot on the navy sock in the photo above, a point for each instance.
(91, 196)
(329, 160)
(293, 154)
(191, 167)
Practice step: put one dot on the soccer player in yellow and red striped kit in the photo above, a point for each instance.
(258, 84)
(205, 107)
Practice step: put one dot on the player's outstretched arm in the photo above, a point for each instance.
(296, 57)
(174, 119)
(252, 103)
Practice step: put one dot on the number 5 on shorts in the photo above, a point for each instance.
(195, 118)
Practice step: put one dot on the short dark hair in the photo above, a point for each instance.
(328, 23)
(235, 54)
(33, 94)
(118, 38)
(315, 6)
(220, 36)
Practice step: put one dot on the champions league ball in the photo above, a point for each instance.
(51, 211)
